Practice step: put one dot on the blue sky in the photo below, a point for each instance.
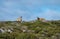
(29, 9)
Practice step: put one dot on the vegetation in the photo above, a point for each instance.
(30, 30)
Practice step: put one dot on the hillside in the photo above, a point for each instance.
(30, 30)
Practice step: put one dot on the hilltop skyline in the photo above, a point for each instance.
(29, 9)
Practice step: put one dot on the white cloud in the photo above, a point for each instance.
(40, 2)
(50, 14)
(47, 14)
(31, 2)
